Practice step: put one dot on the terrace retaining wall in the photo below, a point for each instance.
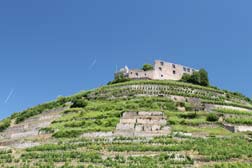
(142, 124)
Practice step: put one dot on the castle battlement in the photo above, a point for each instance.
(162, 70)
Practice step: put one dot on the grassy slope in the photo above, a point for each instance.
(66, 149)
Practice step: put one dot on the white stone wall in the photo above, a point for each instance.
(238, 128)
(140, 74)
(243, 128)
(170, 71)
(162, 71)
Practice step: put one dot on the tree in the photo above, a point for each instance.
(79, 103)
(186, 77)
(120, 77)
(204, 81)
(198, 77)
(147, 67)
(195, 78)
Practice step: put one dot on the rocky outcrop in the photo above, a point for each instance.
(142, 124)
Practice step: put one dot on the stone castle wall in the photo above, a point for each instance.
(162, 71)
(170, 71)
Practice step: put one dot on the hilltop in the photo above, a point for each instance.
(137, 123)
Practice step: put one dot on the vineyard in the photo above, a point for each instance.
(82, 136)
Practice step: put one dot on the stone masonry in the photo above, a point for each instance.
(161, 71)
(31, 126)
(142, 124)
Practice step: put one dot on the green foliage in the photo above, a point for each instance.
(235, 112)
(221, 149)
(67, 133)
(79, 103)
(141, 147)
(171, 88)
(195, 78)
(2, 152)
(36, 110)
(104, 115)
(188, 122)
(147, 67)
(204, 81)
(239, 120)
(186, 77)
(212, 117)
(50, 147)
(230, 165)
(208, 131)
(93, 114)
(198, 77)
(188, 107)
(119, 78)
(5, 123)
(189, 115)
(228, 104)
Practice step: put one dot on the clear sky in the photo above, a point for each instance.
(59, 47)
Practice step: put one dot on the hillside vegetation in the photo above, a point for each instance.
(198, 136)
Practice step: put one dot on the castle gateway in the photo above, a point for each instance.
(161, 71)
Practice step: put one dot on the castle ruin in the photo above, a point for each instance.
(161, 71)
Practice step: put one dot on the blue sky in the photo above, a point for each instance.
(59, 47)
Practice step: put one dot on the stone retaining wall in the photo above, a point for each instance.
(142, 124)
(238, 128)
(31, 126)
(211, 107)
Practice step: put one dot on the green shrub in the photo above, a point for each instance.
(198, 77)
(239, 120)
(212, 117)
(119, 78)
(189, 115)
(204, 81)
(235, 112)
(147, 67)
(79, 103)
(67, 134)
(4, 124)
(36, 110)
(188, 107)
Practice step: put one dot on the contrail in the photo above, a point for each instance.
(9, 96)
(93, 64)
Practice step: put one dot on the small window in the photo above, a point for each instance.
(160, 68)
(188, 70)
(162, 63)
(136, 74)
(145, 74)
(174, 72)
(131, 73)
(173, 65)
(185, 69)
(162, 76)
